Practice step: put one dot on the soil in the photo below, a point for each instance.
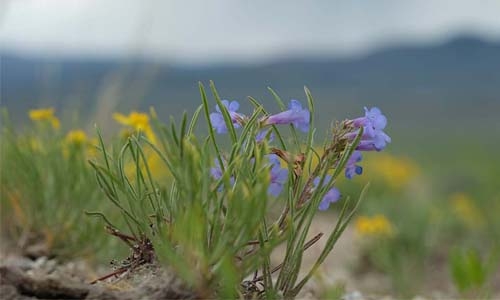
(44, 279)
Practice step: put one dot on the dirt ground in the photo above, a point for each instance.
(340, 268)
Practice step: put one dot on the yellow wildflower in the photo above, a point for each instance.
(395, 171)
(93, 147)
(138, 121)
(466, 210)
(154, 164)
(377, 225)
(41, 114)
(76, 137)
(44, 115)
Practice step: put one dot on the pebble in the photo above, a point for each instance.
(356, 295)
(20, 262)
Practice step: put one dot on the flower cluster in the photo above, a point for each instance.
(373, 124)
(373, 138)
(45, 115)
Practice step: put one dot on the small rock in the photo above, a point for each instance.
(20, 262)
(39, 262)
(356, 295)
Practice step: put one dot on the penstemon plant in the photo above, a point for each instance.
(213, 221)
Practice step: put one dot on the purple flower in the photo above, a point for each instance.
(216, 173)
(351, 168)
(217, 118)
(373, 123)
(262, 135)
(373, 120)
(295, 115)
(377, 143)
(332, 196)
(279, 176)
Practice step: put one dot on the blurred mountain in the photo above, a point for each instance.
(457, 82)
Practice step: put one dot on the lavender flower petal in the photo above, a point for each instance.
(295, 115)
(279, 176)
(217, 119)
(373, 123)
(351, 167)
(332, 196)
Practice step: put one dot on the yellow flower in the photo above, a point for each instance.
(395, 171)
(466, 210)
(138, 121)
(93, 147)
(41, 114)
(154, 164)
(44, 115)
(375, 226)
(76, 137)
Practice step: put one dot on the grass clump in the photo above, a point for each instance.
(212, 219)
(46, 185)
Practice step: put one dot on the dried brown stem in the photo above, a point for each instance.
(123, 237)
(115, 273)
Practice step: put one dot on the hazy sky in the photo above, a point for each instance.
(191, 32)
